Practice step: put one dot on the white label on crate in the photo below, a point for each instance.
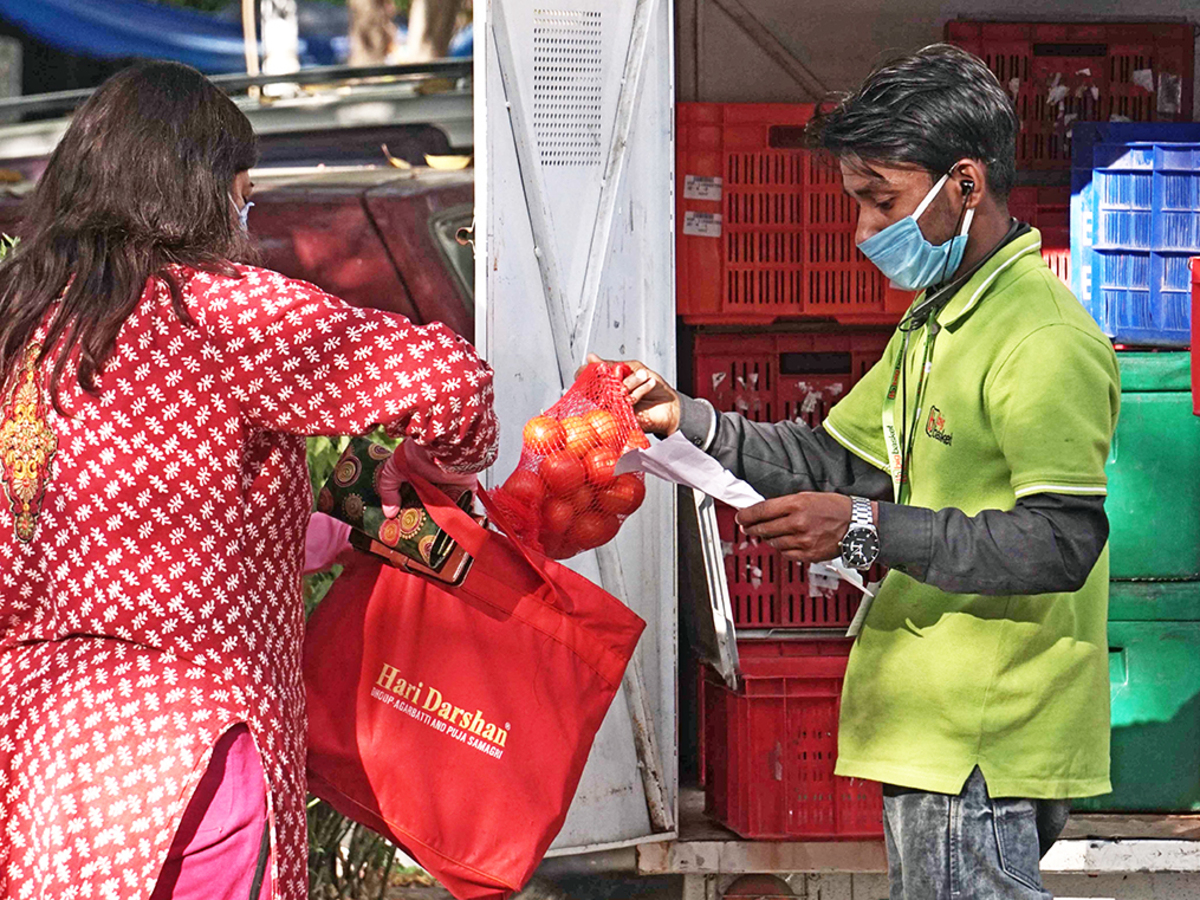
(1144, 78)
(701, 187)
(702, 224)
(822, 579)
(755, 575)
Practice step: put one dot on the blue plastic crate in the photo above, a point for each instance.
(1135, 222)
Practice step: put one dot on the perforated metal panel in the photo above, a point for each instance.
(567, 86)
(555, 240)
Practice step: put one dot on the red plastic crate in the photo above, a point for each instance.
(770, 749)
(784, 243)
(768, 377)
(1048, 209)
(1062, 73)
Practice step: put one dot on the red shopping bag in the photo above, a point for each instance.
(456, 721)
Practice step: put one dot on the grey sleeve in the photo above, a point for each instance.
(1048, 543)
(781, 458)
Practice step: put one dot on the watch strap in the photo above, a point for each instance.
(860, 513)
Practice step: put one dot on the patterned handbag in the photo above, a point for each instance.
(352, 495)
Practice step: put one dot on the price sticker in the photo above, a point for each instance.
(701, 187)
(702, 224)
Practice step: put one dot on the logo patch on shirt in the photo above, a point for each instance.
(935, 427)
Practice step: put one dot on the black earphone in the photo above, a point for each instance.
(968, 186)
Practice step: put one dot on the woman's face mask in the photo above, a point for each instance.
(243, 213)
(907, 257)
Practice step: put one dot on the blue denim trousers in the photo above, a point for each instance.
(968, 847)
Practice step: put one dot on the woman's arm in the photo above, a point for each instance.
(300, 361)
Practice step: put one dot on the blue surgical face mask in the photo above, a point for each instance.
(904, 254)
(243, 213)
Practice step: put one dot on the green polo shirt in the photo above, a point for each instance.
(1021, 399)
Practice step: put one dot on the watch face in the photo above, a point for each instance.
(860, 546)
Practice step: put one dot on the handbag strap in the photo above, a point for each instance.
(468, 533)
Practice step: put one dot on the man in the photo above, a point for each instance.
(977, 691)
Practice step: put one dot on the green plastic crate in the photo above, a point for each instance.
(1155, 684)
(1154, 471)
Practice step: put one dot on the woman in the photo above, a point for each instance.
(154, 398)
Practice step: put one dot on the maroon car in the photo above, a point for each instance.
(374, 236)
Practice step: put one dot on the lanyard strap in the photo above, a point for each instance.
(900, 444)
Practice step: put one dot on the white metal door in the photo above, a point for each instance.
(574, 209)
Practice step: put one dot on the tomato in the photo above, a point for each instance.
(563, 472)
(525, 487)
(557, 517)
(558, 547)
(582, 499)
(580, 436)
(604, 424)
(623, 495)
(599, 464)
(592, 529)
(544, 435)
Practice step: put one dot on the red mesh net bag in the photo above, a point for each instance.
(564, 498)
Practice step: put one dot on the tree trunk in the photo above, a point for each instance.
(430, 27)
(372, 31)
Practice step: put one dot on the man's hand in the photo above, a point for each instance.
(805, 527)
(655, 403)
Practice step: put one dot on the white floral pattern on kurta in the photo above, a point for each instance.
(158, 600)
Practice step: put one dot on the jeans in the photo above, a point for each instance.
(970, 846)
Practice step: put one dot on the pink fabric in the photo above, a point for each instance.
(325, 540)
(215, 851)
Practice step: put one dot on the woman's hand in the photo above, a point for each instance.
(420, 463)
(655, 403)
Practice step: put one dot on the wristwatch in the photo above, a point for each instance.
(860, 546)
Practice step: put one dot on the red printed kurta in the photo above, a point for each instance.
(150, 554)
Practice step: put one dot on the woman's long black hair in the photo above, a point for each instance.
(140, 181)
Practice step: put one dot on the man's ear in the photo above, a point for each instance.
(970, 180)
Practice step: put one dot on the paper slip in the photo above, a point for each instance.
(680, 461)
(854, 577)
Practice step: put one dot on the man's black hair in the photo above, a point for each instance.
(930, 109)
